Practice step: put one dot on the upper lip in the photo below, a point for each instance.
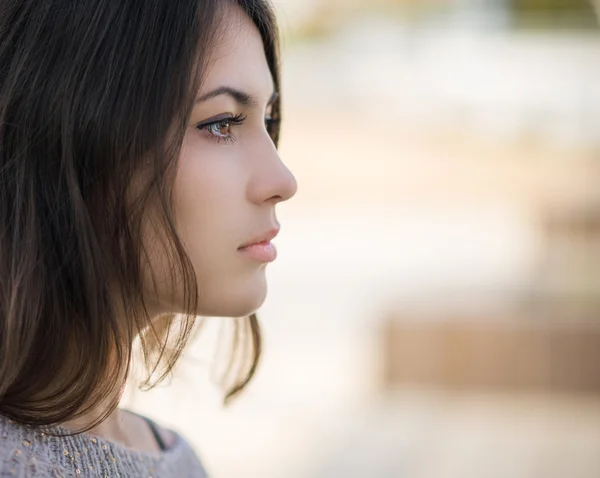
(264, 237)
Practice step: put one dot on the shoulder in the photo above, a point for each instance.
(144, 427)
(22, 453)
(179, 457)
(168, 436)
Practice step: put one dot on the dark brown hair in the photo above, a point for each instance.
(95, 96)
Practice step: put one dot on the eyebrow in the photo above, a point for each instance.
(239, 96)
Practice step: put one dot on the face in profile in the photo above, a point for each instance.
(229, 180)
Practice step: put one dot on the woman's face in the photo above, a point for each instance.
(229, 179)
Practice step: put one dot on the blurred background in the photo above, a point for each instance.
(435, 308)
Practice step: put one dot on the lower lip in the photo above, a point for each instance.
(264, 251)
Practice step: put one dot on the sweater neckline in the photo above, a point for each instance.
(121, 449)
(94, 441)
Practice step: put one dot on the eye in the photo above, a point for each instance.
(272, 126)
(221, 129)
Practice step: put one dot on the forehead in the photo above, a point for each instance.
(238, 59)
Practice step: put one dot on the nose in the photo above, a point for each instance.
(272, 181)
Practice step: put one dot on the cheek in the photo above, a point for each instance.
(208, 197)
(213, 217)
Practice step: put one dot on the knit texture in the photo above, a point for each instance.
(28, 452)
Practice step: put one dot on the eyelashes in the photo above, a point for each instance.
(272, 126)
(220, 129)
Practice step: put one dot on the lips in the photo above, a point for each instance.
(263, 238)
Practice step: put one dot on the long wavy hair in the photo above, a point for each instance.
(95, 95)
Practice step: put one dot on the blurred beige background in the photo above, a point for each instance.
(434, 310)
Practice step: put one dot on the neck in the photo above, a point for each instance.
(120, 426)
(112, 428)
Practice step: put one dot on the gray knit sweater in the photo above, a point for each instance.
(29, 452)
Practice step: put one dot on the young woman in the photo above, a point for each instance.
(138, 182)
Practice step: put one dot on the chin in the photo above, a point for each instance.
(239, 301)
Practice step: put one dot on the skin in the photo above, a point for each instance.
(229, 180)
